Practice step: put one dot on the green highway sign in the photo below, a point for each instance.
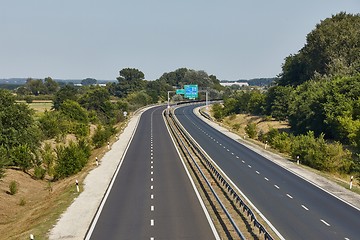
(180, 91)
(191, 91)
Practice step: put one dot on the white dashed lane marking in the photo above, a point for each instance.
(304, 207)
(289, 196)
(152, 222)
(152, 196)
(277, 186)
(152, 208)
(323, 221)
(266, 178)
(257, 172)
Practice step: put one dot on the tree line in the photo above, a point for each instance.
(318, 93)
(24, 133)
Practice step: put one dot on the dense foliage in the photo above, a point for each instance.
(318, 92)
(331, 49)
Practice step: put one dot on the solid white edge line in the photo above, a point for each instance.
(212, 226)
(108, 190)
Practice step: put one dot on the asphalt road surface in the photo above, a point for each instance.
(296, 208)
(152, 196)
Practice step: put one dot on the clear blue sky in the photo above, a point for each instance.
(232, 39)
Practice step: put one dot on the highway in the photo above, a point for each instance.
(296, 208)
(152, 196)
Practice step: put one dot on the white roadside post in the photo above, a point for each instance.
(297, 160)
(96, 161)
(266, 144)
(351, 181)
(32, 237)
(109, 145)
(77, 185)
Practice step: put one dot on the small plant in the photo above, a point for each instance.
(236, 126)
(22, 201)
(250, 129)
(13, 187)
(39, 173)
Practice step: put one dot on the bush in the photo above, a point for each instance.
(251, 131)
(236, 126)
(13, 187)
(102, 135)
(28, 99)
(71, 159)
(218, 111)
(39, 173)
(22, 201)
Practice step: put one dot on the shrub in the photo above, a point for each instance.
(251, 131)
(71, 159)
(102, 135)
(22, 201)
(218, 111)
(28, 99)
(232, 117)
(39, 172)
(13, 187)
(236, 126)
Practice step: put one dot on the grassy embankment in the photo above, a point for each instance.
(37, 205)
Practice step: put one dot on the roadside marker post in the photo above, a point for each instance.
(77, 185)
(351, 181)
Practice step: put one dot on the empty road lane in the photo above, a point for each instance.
(152, 196)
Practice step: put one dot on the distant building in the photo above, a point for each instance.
(228, 84)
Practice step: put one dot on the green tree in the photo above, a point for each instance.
(130, 80)
(278, 100)
(74, 111)
(51, 85)
(331, 49)
(36, 86)
(23, 157)
(17, 126)
(98, 99)
(71, 159)
(68, 92)
(88, 81)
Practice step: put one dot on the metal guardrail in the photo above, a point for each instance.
(246, 209)
(239, 233)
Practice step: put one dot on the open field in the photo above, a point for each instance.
(40, 106)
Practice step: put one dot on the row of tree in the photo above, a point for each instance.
(318, 90)
(75, 109)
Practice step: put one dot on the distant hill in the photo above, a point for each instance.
(21, 81)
